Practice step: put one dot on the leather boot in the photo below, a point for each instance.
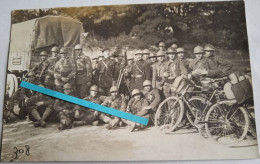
(36, 116)
(45, 115)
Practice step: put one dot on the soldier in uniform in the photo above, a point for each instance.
(64, 71)
(182, 64)
(64, 111)
(216, 67)
(161, 48)
(160, 68)
(114, 101)
(106, 71)
(48, 69)
(38, 68)
(140, 71)
(137, 105)
(87, 116)
(198, 65)
(146, 54)
(39, 108)
(152, 96)
(94, 70)
(83, 72)
(152, 59)
(25, 95)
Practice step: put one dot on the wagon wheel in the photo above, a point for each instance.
(226, 123)
(169, 114)
(196, 113)
(11, 85)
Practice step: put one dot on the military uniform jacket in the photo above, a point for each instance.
(217, 67)
(182, 66)
(83, 69)
(197, 64)
(48, 66)
(153, 97)
(47, 101)
(136, 106)
(118, 102)
(65, 68)
(106, 69)
(140, 71)
(60, 105)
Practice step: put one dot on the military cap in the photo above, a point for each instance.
(31, 74)
(138, 52)
(146, 51)
(152, 55)
(161, 44)
(136, 92)
(209, 47)
(78, 47)
(198, 50)
(147, 83)
(174, 46)
(43, 53)
(113, 89)
(180, 50)
(171, 51)
(55, 49)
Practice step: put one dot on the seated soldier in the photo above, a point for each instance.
(114, 101)
(40, 108)
(137, 105)
(86, 116)
(153, 96)
(63, 110)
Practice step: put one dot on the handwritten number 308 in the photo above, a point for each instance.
(21, 151)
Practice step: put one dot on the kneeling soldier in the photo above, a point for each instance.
(114, 101)
(40, 108)
(65, 110)
(137, 105)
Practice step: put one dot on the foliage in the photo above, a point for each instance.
(219, 23)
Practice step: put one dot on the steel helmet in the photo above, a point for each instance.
(146, 51)
(43, 53)
(147, 83)
(174, 46)
(166, 74)
(161, 44)
(105, 49)
(94, 88)
(198, 50)
(152, 55)
(31, 74)
(78, 47)
(138, 52)
(180, 50)
(55, 49)
(136, 92)
(209, 47)
(171, 51)
(160, 53)
(113, 89)
(63, 50)
(67, 86)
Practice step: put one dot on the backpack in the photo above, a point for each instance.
(239, 88)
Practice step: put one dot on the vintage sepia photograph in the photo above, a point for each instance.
(185, 67)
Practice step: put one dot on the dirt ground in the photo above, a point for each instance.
(95, 143)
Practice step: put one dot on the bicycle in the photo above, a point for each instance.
(229, 123)
(171, 111)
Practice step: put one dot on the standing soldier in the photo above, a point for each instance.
(161, 67)
(139, 72)
(198, 65)
(48, 68)
(161, 48)
(152, 96)
(39, 108)
(106, 72)
(83, 72)
(64, 71)
(94, 70)
(146, 55)
(114, 101)
(182, 64)
(216, 67)
(137, 105)
(152, 59)
(38, 68)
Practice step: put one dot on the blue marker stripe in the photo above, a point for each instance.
(84, 103)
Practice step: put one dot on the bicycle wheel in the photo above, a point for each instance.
(227, 123)
(169, 114)
(196, 113)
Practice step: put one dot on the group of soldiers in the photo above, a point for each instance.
(135, 85)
